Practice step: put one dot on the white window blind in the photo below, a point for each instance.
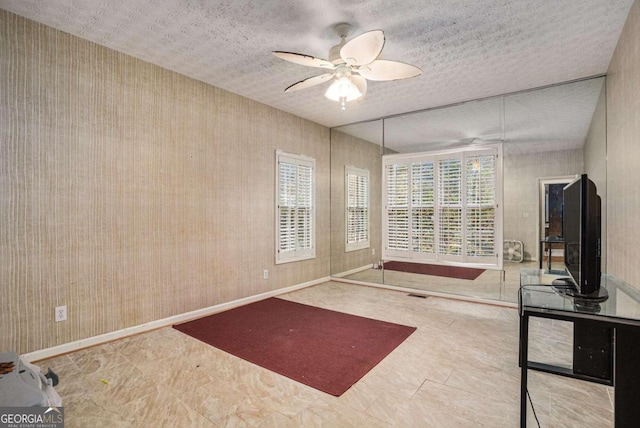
(443, 207)
(423, 207)
(450, 208)
(481, 206)
(295, 207)
(357, 208)
(397, 208)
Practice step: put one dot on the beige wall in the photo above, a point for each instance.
(348, 150)
(131, 193)
(521, 191)
(595, 163)
(623, 154)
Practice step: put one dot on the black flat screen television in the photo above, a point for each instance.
(581, 230)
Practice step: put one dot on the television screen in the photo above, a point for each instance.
(581, 231)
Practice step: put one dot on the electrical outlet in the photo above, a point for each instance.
(61, 313)
(265, 274)
(373, 251)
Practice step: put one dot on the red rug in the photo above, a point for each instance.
(437, 270)
(324, 349)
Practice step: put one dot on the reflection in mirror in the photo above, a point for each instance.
(551, 134)
(551, 203)
(355, 201)
(546, 133)
(469, 125)
(463, 125)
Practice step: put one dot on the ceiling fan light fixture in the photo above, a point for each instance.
(350, 65)
(343, 90)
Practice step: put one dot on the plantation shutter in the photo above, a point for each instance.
(481, 207)
(443, 207)
(295, 209)
(397, 209)
(357, 208)
(423, 209)
(450, 219)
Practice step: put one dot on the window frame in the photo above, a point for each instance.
(487, 199)
(297, 253)
(465, 257)
(364, 243)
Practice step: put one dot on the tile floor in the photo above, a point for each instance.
(459, 369)
(488, 286)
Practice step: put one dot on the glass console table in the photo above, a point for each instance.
(606, 338)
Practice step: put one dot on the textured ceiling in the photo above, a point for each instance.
(467, 49)
(548, 119)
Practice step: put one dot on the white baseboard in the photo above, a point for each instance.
(352, 271)
(430, 293)
(153, 325)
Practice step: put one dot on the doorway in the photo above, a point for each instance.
(550, 239)
(553, 209)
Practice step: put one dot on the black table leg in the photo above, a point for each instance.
(540, 256)
(627, 377)
(524, 362)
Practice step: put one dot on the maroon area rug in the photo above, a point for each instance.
(324, 349)
(437, 270)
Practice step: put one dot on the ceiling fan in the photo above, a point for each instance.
(350, 64)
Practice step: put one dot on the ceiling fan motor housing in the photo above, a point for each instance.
(342, 30)
(334, 53)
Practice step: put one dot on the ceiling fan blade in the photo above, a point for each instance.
(311, 81)
(361, 84)
(363, 49)
(302, 59)
(383, 69)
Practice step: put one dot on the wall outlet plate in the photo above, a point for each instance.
(265, 274)
(61, 313)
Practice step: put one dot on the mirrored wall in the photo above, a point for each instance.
(546, 134)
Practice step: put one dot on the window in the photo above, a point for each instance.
(422, 208)
(295, 207)
(397, 212)
(356, 185)
(450, 208)
(443, 207)
(409, 209)
(481, 206)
